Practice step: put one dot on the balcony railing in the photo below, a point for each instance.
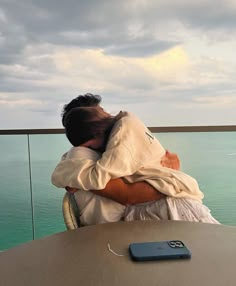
(30, 206)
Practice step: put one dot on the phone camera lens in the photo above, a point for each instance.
(172, 244)
(176, 244)
(179, 244)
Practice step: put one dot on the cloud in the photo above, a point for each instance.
(219, 101)
(115, 26)
(10, 102)
(172, 54)
(139, 49)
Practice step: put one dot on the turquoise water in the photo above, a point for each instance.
(209, 157)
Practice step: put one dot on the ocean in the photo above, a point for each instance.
(210, 157)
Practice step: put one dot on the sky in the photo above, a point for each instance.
(172, 63)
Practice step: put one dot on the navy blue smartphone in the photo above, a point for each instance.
(160, 250)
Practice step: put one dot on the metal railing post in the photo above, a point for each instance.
(31, 188)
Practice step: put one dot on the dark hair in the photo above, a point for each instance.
(85, 123)
(85, 100)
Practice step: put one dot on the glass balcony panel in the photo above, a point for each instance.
(46, 151)
(210, 157)
(207, 156)
(15, 199)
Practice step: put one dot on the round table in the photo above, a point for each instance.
(81, 257)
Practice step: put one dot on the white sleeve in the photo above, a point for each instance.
(82, 153)
(89, 174)
(71, 163)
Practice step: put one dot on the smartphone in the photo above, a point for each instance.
(160, 250)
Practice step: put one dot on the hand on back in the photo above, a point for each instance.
(170, 160)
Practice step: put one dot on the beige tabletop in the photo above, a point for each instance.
(81, 257)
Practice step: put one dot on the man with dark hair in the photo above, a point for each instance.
(85, 100)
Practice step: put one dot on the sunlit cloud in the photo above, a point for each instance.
(11, 102)
(227, 100)
(167, 66)
(171, 65)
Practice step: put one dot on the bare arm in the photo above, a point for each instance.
(170, 160)
(135, 193)
(129, 194)
(139, 192)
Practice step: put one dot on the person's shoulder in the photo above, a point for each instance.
(126, 122)
(126, 116)
(82, 153)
